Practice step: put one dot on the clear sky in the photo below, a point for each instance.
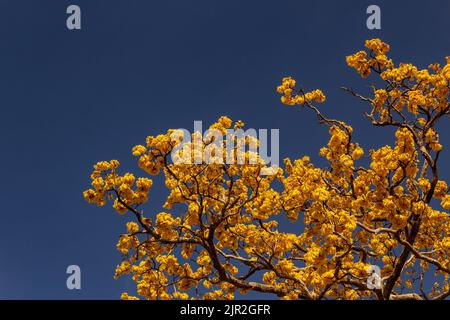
(71, 98)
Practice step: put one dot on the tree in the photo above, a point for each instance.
(220, 229)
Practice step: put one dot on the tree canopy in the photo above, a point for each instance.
(220, 229)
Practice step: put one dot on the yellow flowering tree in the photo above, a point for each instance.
(219, 230)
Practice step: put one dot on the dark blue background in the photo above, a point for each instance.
(71, 98)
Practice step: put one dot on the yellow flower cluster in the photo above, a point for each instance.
(445, 203)
(165, 225)
(431, 137)
(106, 181)
(125, 296)
(421, 91)
(364, 63)
(377, 46)
(290, 98)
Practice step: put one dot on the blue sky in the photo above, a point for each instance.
(71, 98)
